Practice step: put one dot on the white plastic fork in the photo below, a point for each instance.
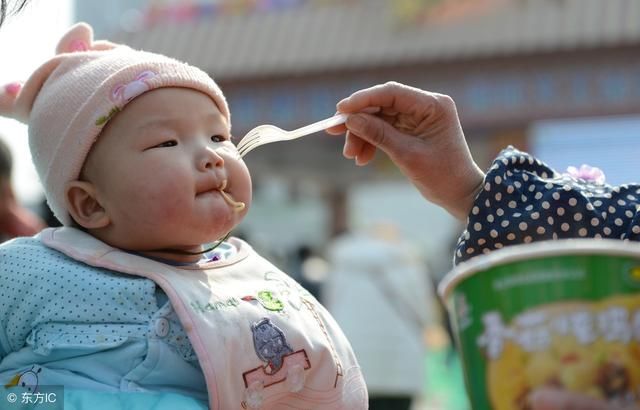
(266, 134)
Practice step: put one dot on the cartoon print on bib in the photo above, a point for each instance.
(267, 299)
(282, 363)
(297, 296)
(270, 344)
(291, 293)
(27, 379)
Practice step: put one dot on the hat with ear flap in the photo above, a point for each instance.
(68, 100)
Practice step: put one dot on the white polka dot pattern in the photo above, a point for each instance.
(563, 207)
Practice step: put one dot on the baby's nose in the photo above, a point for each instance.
(211, 159)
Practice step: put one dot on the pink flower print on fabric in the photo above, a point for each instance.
(587, 173)
(123, 93)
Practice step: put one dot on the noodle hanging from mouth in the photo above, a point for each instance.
(236, 205)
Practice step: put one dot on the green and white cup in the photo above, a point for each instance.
(558, 313)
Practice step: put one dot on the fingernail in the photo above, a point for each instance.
(356, 122)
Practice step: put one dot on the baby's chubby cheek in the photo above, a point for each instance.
(170, 209)
(158, 202)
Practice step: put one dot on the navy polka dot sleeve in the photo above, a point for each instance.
(523, 200)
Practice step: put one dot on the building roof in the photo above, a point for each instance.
(358, 33)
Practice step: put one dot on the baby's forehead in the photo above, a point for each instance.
(171, 121)
(173, 105)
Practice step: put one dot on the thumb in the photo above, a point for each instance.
(376, 132)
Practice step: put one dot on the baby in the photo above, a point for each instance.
(135, 155)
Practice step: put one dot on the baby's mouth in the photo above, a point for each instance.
(236, 205)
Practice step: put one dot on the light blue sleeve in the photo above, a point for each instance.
(13, 274)
(5, 347)
(4, 341)
(4, 350)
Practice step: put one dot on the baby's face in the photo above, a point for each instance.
(159, 168)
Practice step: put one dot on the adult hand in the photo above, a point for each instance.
(421, 133)
(556, 399)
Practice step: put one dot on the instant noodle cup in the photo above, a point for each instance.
(559, 313)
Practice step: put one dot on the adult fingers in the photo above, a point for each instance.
(367, 153)
(341, 128)
(352, 145)
(336, 129)
(357, 148)
(377, 132)
(391, 95)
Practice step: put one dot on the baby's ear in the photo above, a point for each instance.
(83, 205)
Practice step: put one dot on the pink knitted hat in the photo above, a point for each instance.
(68, 100)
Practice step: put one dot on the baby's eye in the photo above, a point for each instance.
(218, 138)
(170, 143)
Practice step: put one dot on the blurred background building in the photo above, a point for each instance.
(558, 78)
